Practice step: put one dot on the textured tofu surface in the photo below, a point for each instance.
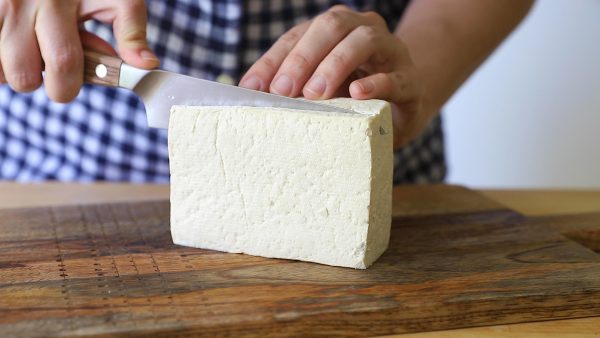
(275, 182)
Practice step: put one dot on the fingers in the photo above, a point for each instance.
(60, 47)
(45, 34)
(129, 21)
(286, 67)
(130, 32)
(19, 51)
(361, 45)
(397, 86)
(260, 75)
(311, 49)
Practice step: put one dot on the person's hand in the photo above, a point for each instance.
(39, 35)
(345, 53)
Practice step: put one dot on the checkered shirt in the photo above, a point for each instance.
(102, 135)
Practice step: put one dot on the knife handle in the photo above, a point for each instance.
(102, 69)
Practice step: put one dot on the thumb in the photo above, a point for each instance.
(129, 28)
(129, 20)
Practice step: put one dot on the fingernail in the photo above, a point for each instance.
(317, 85)
(251, 83)
(148, 55)
(365, 86)
(283, 85)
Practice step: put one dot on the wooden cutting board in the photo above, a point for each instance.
(455, 260)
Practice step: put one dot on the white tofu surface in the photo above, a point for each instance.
(274, 182)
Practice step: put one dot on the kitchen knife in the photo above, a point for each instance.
(159, 90)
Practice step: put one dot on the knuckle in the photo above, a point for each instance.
(370, 33)
(290, 38)
(268, 63)
(381, 61)
(375, 18)
(385, 82)
(399, 45)
(339, 62)
(404, 87)
(300, 61)
(134, 34)
(397, 82)
(399, 78)
(24, 81)
(63, 61)
(339, 7)
(331, 21)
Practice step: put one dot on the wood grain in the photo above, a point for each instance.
(14, 195)
(414, 200)
(112, 66)
(570, 328)
(112, 269)
(547, 201)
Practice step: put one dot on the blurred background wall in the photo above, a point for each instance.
(530, 116)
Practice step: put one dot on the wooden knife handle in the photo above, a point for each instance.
(102, 69)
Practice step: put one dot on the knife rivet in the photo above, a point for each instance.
(101, 71)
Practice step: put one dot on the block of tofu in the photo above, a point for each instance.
(284, 183)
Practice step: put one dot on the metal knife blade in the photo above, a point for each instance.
(160, 90)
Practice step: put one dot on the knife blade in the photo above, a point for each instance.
(160, 90)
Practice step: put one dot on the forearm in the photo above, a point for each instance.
(448, 40)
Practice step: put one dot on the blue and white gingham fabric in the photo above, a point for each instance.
(102, 135)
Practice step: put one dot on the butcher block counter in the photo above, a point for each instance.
(96, 260)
